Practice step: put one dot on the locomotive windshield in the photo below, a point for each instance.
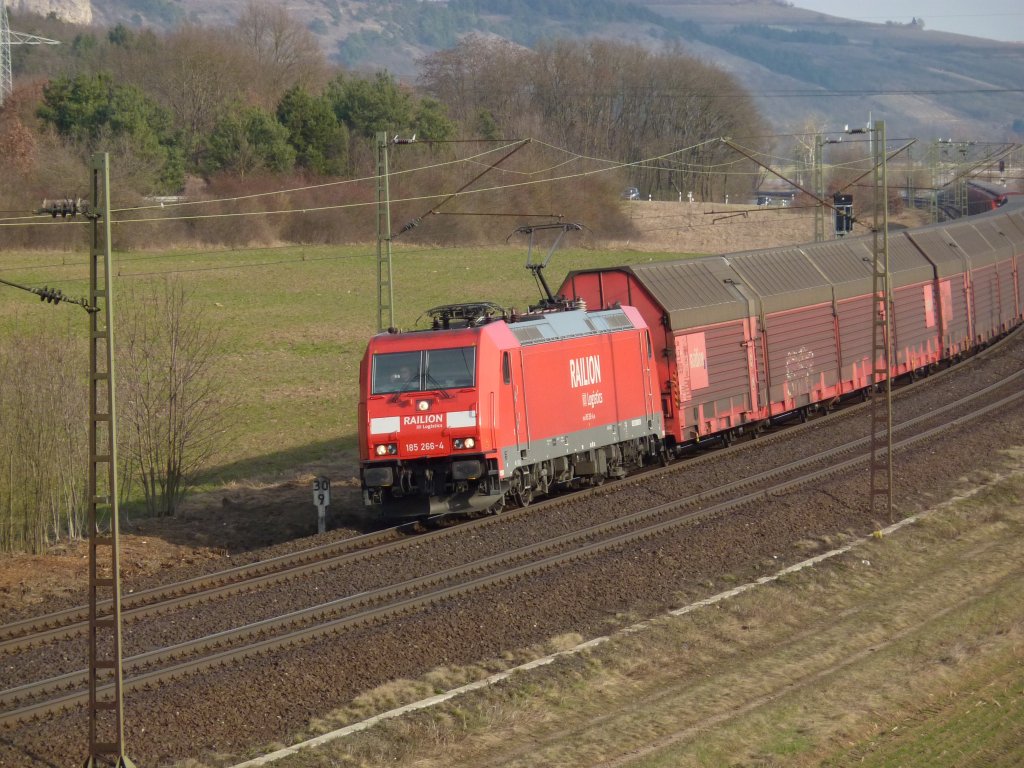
(424, 370)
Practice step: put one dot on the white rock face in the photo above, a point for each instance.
(71, 11)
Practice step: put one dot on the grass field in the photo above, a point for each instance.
(293, 324)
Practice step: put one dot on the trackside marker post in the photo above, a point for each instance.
(322, 500)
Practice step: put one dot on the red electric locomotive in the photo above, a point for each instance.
(486, 407)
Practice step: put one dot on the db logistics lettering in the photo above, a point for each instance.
(584, 371)
(591, 399)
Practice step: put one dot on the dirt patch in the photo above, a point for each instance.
(213, 531)
(725, 228)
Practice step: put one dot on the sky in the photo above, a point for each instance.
(995, 19)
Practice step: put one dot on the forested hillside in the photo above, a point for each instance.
(227, 96)
(232, 111)
(802, 66)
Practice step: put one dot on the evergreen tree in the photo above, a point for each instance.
(249, 140)
(369, 106)
(89, 110)
(431, 122)
(319, 140)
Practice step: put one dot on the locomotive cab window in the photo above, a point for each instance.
(424, 370)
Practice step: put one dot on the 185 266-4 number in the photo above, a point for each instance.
(424, 447)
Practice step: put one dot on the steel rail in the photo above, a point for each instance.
(69, 623)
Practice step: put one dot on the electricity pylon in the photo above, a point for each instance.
(7, 39)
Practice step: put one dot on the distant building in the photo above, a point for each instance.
(775, 197)
(775, 192)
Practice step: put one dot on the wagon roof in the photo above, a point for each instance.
(971, 243)
(906, 262)
(846, 261)
(1014, 228)
(714, 289)
(699, 291)
(1000, 236)
(784, 278)
(940, 249)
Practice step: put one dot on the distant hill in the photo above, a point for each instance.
(803, 66)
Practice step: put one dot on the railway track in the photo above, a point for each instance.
(634, 518)
(73, 622)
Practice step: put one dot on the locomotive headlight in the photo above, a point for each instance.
(463, 442)
(469, 442)
(382, 450)
(385, 449)
(422, 405)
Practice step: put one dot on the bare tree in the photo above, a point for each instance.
(172, 411)
(17, 144)
(284, 52)
(43, 440)
(201, 74)
(605, 99)
(482, 77)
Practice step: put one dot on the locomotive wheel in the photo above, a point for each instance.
(526, 496)
(523, 492)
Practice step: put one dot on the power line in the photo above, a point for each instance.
(610, 165)
(811, 92)
(308, 187)
(51, 295)
(416, 221)
(656, 163)
(36, 219)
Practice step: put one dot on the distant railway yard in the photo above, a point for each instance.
(227, 664)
